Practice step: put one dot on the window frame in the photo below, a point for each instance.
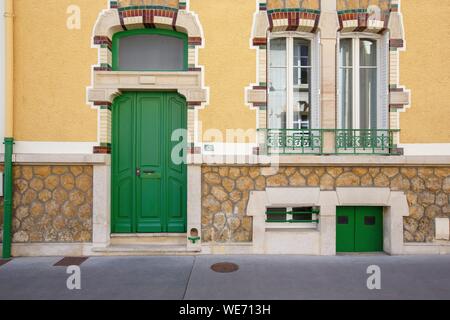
(162, 32)
(314, 63)
(382, 65)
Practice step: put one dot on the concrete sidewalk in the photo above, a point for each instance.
(259, 277)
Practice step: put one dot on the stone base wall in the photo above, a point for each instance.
(52, 204)
(226, 190)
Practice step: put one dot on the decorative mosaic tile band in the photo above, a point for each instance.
(148, 17)
(293, 20)
(173, 4)
(396, 43)
(365, 15)
(195, 41)
(102, 150)
(362, 22)
(103, 41)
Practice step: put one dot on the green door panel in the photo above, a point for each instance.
(150, 158)
(149, 189)
(369, 229)
(123, 185)
(176, 174)
(359, 229)
(345, 229)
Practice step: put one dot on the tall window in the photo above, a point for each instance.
(290, 83)
(359, 83)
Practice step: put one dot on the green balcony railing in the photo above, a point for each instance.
(291, 141)
(365, 141)
(312, 141)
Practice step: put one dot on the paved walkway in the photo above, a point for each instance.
(259, 277)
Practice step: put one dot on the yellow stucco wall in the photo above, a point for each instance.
(425, 69)
(52, 68)
(230, 62)
(52, 71)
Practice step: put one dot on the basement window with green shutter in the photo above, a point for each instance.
(292, 215)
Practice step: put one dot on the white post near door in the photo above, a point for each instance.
(101, 229)
(328, 30)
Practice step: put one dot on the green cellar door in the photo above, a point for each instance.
(149, 193)
(359, 229)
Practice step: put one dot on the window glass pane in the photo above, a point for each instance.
(302, 214)
(345, 53)
(346, 83)
(368, 98)
(301, 53)
(302, 98)
(151, 52)
(346, 91)
(277, 84)
(301, 84)
(368, 53)
(276, 214)
(368, 84)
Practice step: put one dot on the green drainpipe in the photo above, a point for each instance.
(7, 203)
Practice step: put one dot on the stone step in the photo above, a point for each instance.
(155, 238)
(144, 250)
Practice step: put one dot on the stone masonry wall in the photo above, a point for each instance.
(226, 190)
(52, 204)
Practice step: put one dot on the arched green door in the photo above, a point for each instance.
(149, 187)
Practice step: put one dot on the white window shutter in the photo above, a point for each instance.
(383, 87)
(315, 83)
(338, 86)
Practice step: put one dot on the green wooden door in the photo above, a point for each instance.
(345, 229)
(368, 229)
(359, 229)
(148, 184)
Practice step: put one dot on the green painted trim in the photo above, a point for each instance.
(292, 221)
(162, 32)
(8, 193)
(194, 239)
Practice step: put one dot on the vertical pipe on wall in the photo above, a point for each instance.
(9, 140)
(7, 202)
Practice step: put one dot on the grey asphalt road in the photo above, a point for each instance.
(259, 277)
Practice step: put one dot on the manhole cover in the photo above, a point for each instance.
(70, 261)
(225, 267)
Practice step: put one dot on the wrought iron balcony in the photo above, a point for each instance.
(290, 141)
(312, 141)
(351, 141)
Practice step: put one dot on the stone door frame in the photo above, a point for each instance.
(106, 85)
(394, 203)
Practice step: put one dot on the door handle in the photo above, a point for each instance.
(139, 172)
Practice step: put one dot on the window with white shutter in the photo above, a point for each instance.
(293, 84)
(363, 82)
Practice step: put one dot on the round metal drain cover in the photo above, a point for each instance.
(225, 267)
